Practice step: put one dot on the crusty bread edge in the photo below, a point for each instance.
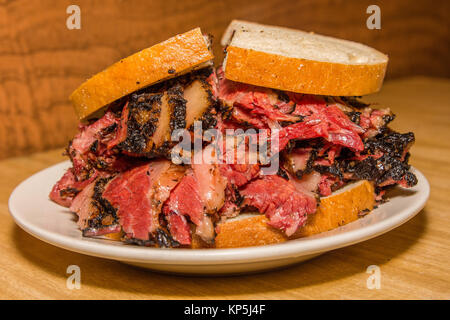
(302, 75)
(335, 210)
(168, 59)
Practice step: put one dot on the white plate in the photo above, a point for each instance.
(35, 213)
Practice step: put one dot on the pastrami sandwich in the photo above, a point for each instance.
(332, 156)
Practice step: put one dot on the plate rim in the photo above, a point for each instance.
(285, 250)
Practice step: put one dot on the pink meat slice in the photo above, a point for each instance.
(240, 174)
(312, 116)
(284, 205)
(242, 115)
(88, 134)
(210, 184)
(80, 148)
(186, 200)
(240, 162)
(121, 132)
(327, 181)
(132, 194)
(64, 191)
(82, 205)
(328, 122)
(179, 228)
(258, 101)
(372, 120)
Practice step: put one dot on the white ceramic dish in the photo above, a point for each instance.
(36, 214)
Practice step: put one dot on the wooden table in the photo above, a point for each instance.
(414, 259)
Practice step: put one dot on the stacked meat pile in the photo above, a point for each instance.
(122, 178)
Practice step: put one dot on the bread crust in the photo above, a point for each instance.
(171, 58)
(301, 75)
(334, 211)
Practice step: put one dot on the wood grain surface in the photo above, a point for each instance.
(414, 259)
(42, 62)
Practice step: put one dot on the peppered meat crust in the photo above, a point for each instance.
(161, 239)
(145, 109)
(103, 214)
(142, 119)
(177, 105)
(393, 164)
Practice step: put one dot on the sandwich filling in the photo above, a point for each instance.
(124, 177)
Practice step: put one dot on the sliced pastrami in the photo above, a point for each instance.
(322, 121)
(253, 101)
(211, 185)
(186, 200)
(83, 205)
(285, 206)
(132, 194)
(299, 161)
(64, 191)
(179, 228)
(96, 216)
(88, 134)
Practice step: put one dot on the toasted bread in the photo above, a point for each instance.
(297, 61)
(340, 208)
(176, 56)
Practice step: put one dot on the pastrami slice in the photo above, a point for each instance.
(131, 193)
(286, 207)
